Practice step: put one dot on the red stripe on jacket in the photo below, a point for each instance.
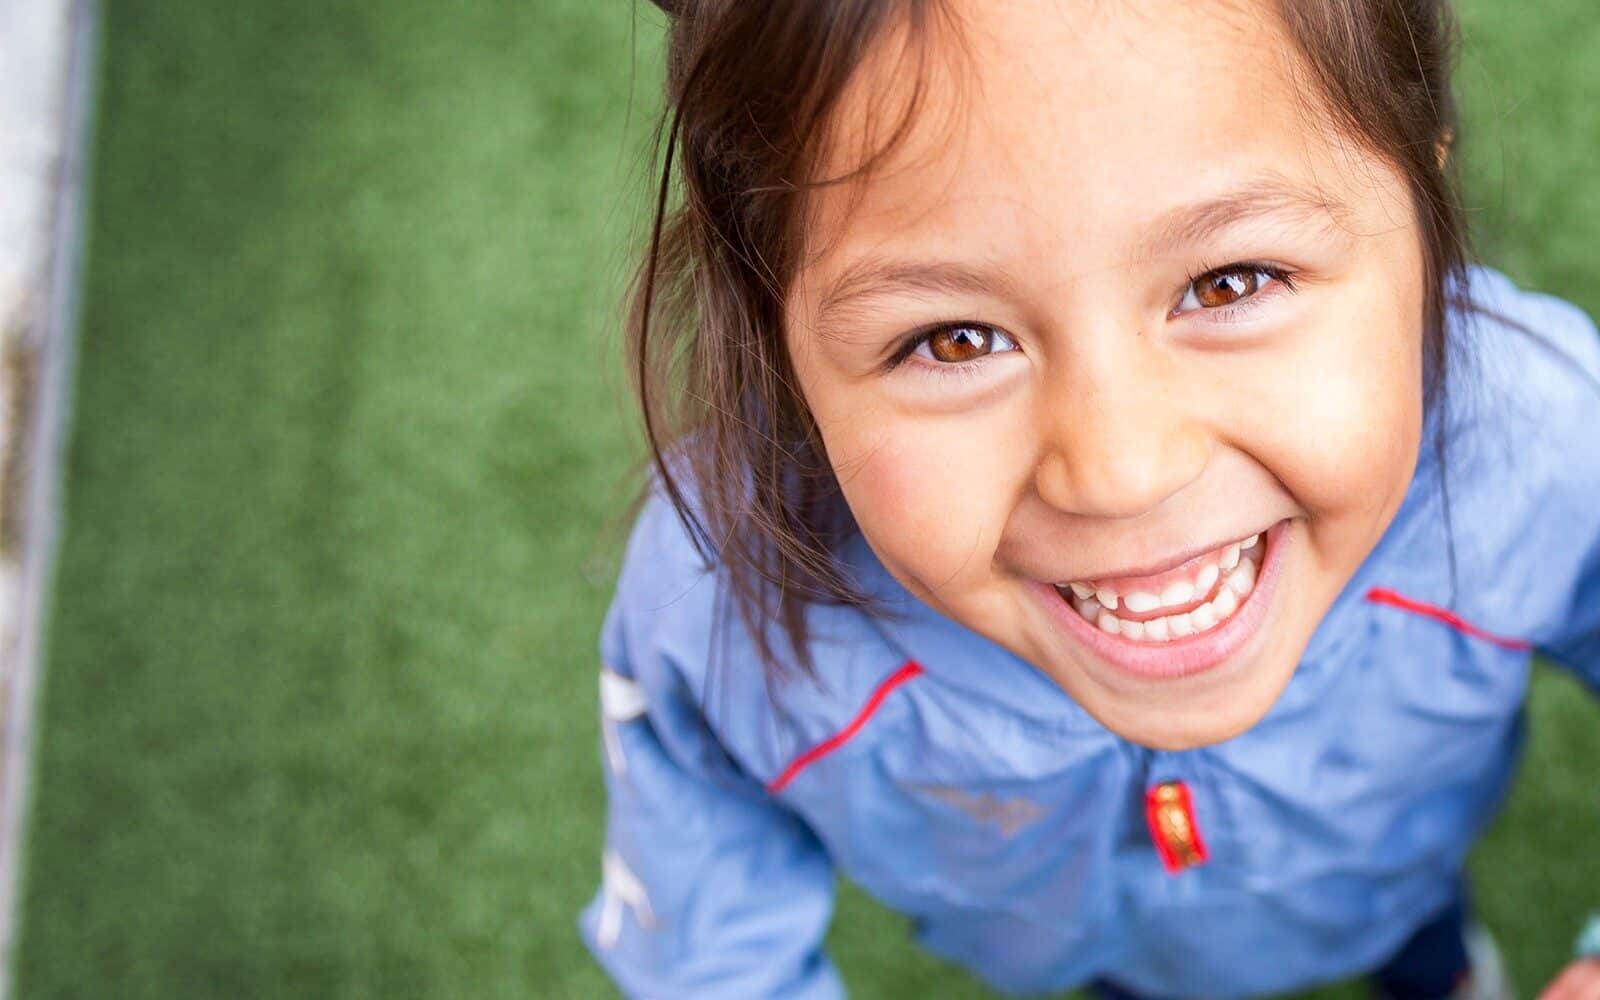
(1394, 599)
(885, 688)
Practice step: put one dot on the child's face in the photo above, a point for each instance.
(1080, 409)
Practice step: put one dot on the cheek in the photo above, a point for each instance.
(1350, 410)
(930, 494)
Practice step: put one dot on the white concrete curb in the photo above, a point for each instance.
(47, 62)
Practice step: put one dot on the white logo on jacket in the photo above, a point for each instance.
(620, 889)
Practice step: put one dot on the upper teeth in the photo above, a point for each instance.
(1139, 602)
(1178, 593)
(1236, 565)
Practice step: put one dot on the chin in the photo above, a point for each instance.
(1203, 712)
(1199, 724)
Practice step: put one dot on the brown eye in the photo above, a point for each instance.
(955, 344)
(1224, 288)
(1240, 285)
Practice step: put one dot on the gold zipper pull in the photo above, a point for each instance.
(1169, 811)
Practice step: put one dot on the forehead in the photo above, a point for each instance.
(1064, 126)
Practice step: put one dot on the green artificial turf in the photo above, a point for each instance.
(349, 451)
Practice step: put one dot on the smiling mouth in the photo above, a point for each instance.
(1196, 597)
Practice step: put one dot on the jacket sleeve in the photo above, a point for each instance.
(1578, 647)
(710, 889)
(1566, 383)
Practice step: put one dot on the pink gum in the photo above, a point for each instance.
(1155, 583)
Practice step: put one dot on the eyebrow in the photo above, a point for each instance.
(872, 277)
(1265, 197)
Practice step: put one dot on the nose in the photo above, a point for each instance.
(1118, 439)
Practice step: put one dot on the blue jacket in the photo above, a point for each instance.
(961, 787)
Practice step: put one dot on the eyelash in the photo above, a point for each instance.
(943, 368)
(1284, 276)
(1227, 314)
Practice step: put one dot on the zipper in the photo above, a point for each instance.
(1170, 818)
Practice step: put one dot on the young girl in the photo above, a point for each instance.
(1097, 508)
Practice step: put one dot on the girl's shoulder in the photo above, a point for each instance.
(1522, 397)
(1521, 456)
(663, 610)
(669, 635)
(1530, 358)
(673, 629)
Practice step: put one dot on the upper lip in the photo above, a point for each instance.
(1170, 563)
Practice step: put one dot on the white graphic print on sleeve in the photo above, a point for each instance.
(620, 889)
(621, 700)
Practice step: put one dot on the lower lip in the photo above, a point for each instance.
(1190, 655)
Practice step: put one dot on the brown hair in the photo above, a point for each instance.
(750, 84)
